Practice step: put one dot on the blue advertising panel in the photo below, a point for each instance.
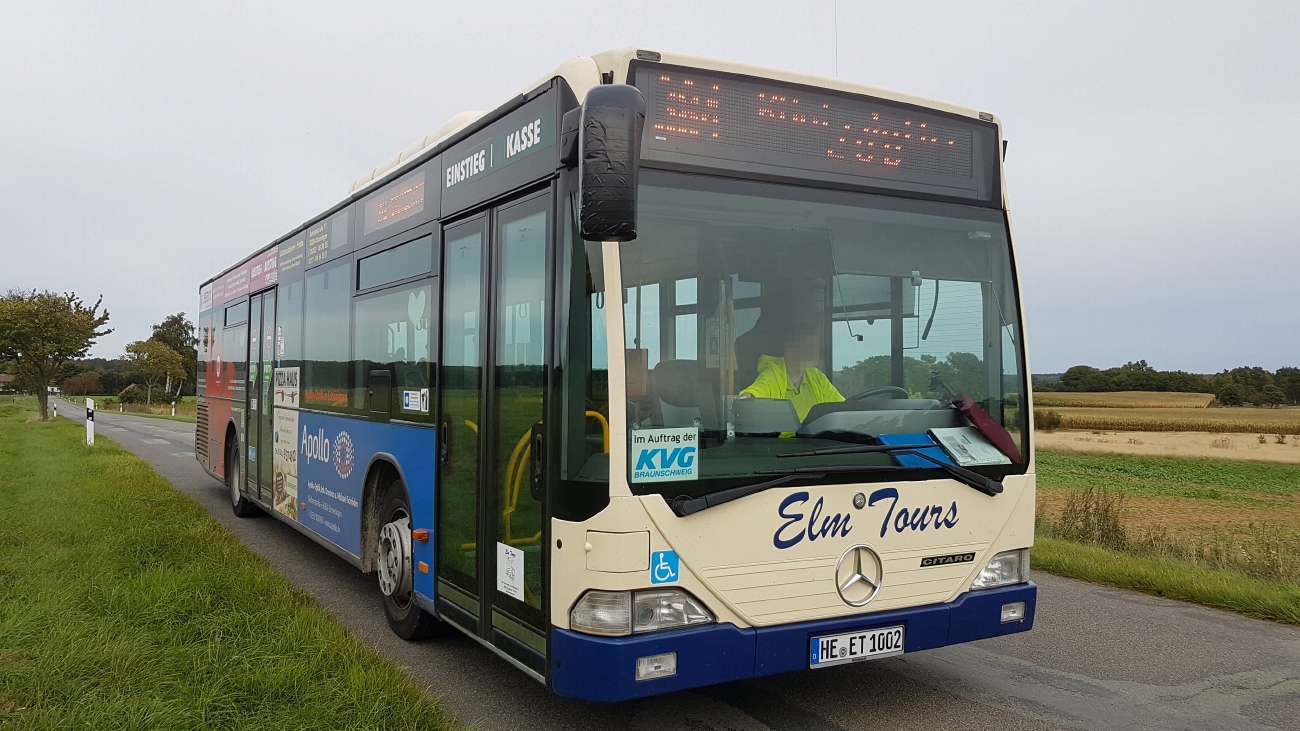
(334, 455)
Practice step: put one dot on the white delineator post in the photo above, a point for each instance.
(90, 422)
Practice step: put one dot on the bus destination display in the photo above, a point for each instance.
(775, 125)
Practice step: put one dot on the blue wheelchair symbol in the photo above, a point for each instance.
(664, 567)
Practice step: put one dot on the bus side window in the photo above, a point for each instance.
(393, 334)
(325, 353)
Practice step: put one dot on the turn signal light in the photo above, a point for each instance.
(420, 534)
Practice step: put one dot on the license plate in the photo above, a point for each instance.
(856, 646)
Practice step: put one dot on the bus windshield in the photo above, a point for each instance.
(764, 319)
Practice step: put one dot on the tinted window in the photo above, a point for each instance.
(236, 314)
(288, 330)
(325, 344)
(393, 333)
(234, 348)
(403, 262)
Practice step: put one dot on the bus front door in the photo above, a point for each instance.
(491, 518)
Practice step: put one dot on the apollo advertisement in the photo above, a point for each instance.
(333, 455)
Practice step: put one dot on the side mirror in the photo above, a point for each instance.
(609, 160)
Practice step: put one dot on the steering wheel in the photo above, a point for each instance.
(893, 391)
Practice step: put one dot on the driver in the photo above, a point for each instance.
(794, 375)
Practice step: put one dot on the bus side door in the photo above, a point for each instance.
(490, 515)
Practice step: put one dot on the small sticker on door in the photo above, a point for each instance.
(510, 571)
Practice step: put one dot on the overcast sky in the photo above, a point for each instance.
(1153, 169)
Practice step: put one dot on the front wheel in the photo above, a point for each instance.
(397, 570)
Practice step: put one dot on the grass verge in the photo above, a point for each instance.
(1170, 577)
(1220, 533)
(184, 411)
(123, 605)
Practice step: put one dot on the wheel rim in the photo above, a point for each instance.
(233, 473)
(395, 570)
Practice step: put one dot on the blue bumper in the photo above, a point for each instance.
(604, 668)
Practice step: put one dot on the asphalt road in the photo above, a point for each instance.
(1098, 658)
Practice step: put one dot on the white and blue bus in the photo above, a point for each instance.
(666, 372)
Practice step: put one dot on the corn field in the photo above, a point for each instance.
(1230, 420)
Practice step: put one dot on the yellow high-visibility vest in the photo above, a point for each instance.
(774, 382)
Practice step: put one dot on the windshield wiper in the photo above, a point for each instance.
(986, 485)
(684, 506)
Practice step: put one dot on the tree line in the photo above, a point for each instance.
(1235, 387)
(45, 336)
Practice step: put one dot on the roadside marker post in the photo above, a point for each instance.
(90, 422)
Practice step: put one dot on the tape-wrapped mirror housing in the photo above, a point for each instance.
(609, 160)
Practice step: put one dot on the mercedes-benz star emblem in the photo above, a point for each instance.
(858, 575)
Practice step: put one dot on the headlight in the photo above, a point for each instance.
(666, 609)
(1008, 567)
(619, 613)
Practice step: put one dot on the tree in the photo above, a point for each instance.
(154, 362)
(1233, 394)
(40, 332)
(1288, 379)
(82, 384)
(1086, 378)
(1271, 395)
(178, 333)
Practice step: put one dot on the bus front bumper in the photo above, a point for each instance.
(594, 668)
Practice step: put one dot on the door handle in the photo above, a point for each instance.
(444, 443)
(537, 458)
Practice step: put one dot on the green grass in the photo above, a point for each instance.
(1240, 565)
(108, 404)
(123, 605)
(1167, 476)
(1170, 577)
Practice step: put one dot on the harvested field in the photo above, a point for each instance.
(1236, 420)
(1172, 444)
(1124, 399)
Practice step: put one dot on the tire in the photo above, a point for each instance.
(239, 503)
(396, 569)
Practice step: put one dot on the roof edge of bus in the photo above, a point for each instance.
(580, 72)
(618, 59)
